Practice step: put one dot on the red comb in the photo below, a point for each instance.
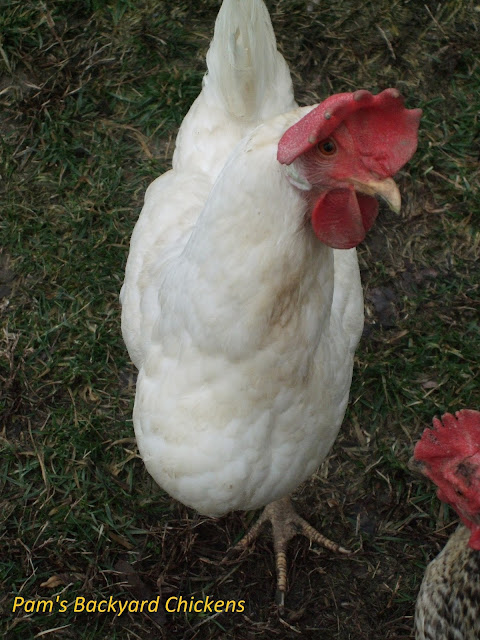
(452, 436)
(384, 130)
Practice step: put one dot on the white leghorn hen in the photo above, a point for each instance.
(448, 603)
(239, 312)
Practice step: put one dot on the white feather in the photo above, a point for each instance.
(242, 324)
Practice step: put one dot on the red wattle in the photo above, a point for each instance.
(474, 541)
(341, 218)
(368, 209)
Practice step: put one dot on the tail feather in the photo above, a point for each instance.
(248, 82)
(246, 73)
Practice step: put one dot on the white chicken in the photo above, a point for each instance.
(242, 302)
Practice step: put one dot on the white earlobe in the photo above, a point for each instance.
(295, 178)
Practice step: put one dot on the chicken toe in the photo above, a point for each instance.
(286, 523)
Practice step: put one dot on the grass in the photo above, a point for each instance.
(91, 96)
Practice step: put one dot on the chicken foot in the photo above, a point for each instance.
(286, 523)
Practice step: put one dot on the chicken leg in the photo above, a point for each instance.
(286, 523)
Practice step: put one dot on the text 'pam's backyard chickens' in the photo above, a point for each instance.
(174, 604)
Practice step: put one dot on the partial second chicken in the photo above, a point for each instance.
(449, 598)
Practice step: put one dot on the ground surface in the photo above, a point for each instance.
(91, 96)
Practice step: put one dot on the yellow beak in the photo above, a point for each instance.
(385, 189)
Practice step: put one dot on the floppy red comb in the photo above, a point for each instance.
(383, 129)
(452, 436)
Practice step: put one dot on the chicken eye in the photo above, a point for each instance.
(327, 147)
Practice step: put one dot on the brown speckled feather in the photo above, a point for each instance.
(448, 604)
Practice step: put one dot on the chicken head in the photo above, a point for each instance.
(343, 153)
(449, 454)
